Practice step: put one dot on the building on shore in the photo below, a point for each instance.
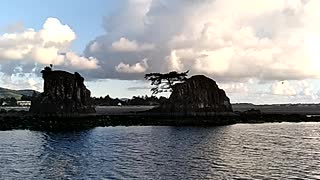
(24, 103)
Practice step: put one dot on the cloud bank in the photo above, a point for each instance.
(228, 40)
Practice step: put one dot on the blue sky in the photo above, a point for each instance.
(84, 17)
(258, 51)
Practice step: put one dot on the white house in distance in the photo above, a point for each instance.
(24, 103)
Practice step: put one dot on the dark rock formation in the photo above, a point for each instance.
(198, 94)
(64, 93)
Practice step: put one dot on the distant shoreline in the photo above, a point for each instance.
(303, 109)
(75, 122)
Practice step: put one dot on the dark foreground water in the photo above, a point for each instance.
(256, 151)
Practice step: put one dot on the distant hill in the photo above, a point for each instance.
(17, 94)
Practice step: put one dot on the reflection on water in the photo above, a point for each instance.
(63, 155)
(255, 151)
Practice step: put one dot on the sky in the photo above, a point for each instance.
(262, 52)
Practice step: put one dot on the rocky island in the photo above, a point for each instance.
(198, 95)
(63, 94)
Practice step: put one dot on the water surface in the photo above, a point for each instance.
(251, 151)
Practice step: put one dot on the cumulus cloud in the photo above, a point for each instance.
(125, 45)
(298, 89)
(135, 68)
(283, 88)
(55, 32)
(307, 89)
(49, 45)
(228, 40)
(235, 88)
(80, 62)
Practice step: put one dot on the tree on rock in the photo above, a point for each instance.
(164, 82)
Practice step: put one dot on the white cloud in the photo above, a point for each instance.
(20, 80)
(254, 43)
(55, 32)
(174, 61)
(225, 39)
(80, 62)
(307, 89)
(231, 88)
(33, 84)
(298, 89)
(46, 55)
(45, 46)
(125, 45)
(139, 67)
(283, 88)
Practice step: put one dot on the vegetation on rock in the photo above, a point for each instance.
(165, 82)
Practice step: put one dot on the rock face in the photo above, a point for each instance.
(198, 94)
(64, 93)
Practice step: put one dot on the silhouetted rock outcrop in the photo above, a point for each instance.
(198, 94)
(64, 93)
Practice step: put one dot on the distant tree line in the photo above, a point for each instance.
(134, 101)
(8, 101)
(99, 101)
(106, 101)
(161, 82)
